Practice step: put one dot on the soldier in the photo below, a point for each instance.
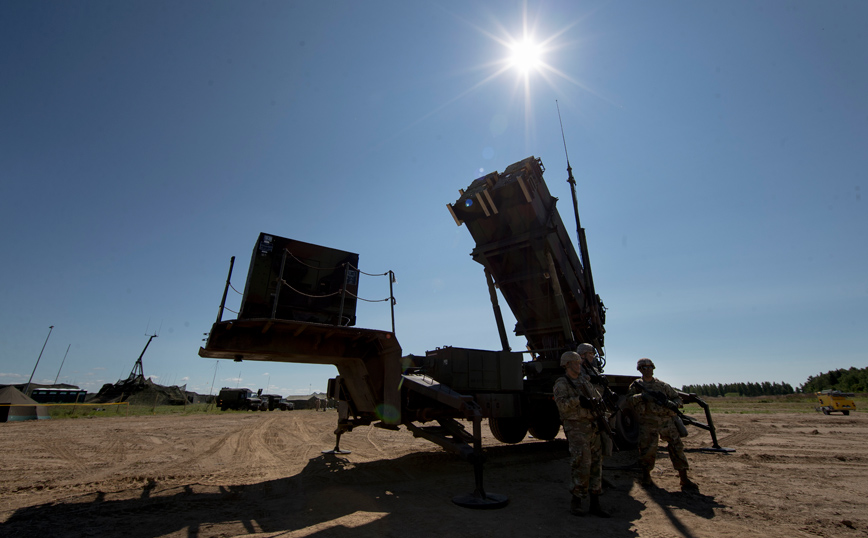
(573, 393)
(657, 420)
(588, 353)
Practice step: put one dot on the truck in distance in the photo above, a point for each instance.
(239, 399)
(832, 401)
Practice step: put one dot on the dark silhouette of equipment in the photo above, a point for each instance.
(299, 306)
(138, 371)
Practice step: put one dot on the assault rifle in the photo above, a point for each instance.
(597, 407)
(658, 396)
(660, 399)
(610, 398)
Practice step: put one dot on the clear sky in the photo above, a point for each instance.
(720, 149)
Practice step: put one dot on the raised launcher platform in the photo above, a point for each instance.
(297, 308)
(368, 360)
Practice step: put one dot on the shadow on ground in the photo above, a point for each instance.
(331, 496)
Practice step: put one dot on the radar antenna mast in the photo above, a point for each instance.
(588, 280)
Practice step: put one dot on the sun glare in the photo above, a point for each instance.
(525, 56)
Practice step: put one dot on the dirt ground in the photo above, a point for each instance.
(264, 474)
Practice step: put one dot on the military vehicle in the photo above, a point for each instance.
(299, 306)
(835, 401)
(271, 401)
(239, 399)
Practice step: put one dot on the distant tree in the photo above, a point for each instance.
(849, 380)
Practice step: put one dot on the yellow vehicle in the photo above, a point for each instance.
(835, 400)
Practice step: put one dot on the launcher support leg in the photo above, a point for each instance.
(715, 446)
(479, 499)
(337, 448)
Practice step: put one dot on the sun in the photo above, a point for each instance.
(529, 60)
(525, 56)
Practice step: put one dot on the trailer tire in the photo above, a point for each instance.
(626, 427)
(846, 412)
(545, 421)
(508, 430)
(545, 432)
(825, 410)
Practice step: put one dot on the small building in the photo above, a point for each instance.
(15, 406)
(58, 395)
(310, 401)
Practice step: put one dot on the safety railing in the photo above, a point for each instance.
(348, 268)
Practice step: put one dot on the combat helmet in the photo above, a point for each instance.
(644, 362)
(584, 348)
(570, 356)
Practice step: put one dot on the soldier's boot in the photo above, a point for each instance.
(576, 506)
(646, 478)
(596, 509)
(687, 485)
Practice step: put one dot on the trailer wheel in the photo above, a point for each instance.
(508, 430)
(545, 432)
(545, 422)
(825, 410)
(626, 427)
(846, 412)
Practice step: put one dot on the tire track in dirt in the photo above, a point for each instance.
(742, 436)
(241, 451)
(262, 442)
(116, 448)
(213, 460)
(298, 430)
(106, 462)
(106, 459)
(314, 436)
(256, 447)
(370, 437)
(60, 448)
(215, 446)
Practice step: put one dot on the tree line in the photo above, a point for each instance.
(845, 380)
(849, 380)
(764, 388)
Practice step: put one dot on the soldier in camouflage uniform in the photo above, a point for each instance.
(573, 393)
(656, 421)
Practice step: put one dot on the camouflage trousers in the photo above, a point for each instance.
(652, 427)
(586, 458)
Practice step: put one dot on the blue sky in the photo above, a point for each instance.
(719, 149)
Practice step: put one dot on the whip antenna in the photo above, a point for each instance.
(571, 181)
(587, 279)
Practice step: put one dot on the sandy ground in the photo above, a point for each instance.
(264, 474)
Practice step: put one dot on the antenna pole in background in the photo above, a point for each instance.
(61, 363)
(37, 360)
